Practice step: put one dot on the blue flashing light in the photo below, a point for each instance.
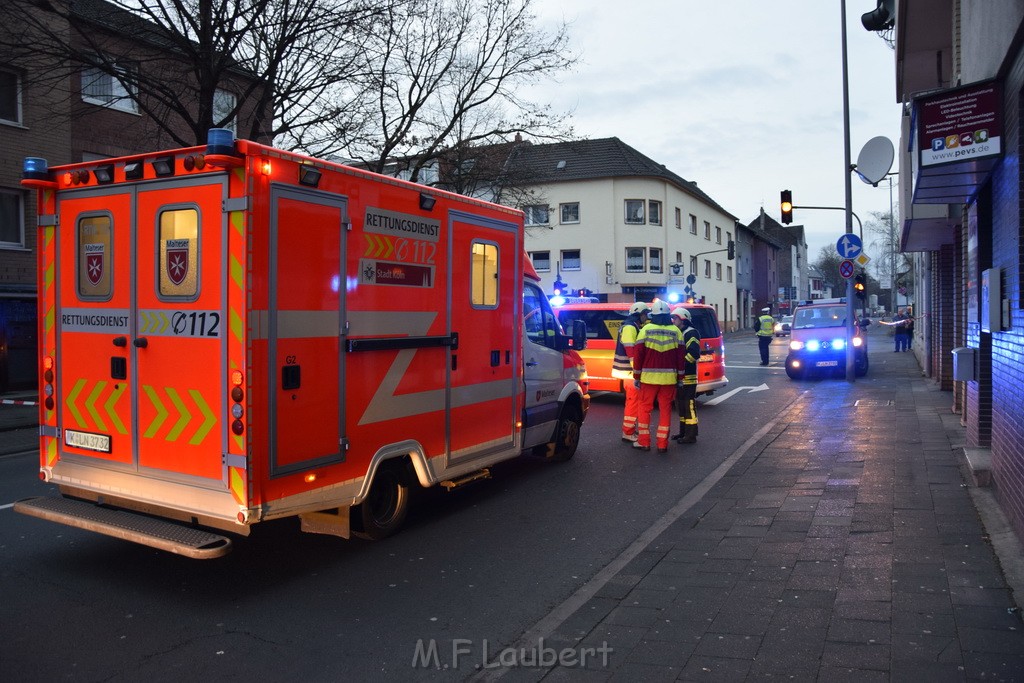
(220, 141)
(35, 168)
(813, 345)
(838, 344)
(556, 301)
(673, 297)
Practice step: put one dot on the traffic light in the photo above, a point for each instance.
(731, 254)
(859, 287)
(881, 18)
(787, 206)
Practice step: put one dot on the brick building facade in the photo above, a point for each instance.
(964, 217)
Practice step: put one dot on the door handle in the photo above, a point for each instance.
(140, 342)
(531, 363)
(120, 341)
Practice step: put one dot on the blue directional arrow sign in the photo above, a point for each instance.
(849, 246)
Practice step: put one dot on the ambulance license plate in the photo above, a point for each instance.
(87, 440)
(826, 364)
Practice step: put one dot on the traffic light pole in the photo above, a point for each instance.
(848, 178)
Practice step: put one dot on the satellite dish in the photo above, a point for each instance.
(875, 160)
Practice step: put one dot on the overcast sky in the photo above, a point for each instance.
(742, 97)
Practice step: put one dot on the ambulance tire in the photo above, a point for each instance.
(383, 511)
(567, 435)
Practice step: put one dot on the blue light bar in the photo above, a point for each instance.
(35, 168)
(220, 141)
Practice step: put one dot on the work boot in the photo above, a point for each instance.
(689, 434)
(636, 445)
(630, 437)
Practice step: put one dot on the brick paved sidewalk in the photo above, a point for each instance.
(855, 554)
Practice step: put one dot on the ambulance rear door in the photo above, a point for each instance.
(141, 330)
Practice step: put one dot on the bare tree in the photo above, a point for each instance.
(444, 75)
(285, 58)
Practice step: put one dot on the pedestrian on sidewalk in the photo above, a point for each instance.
(900, 331)
(622, 366)
(909, 326)
(686, 391)
(765, 332)
(658, 367)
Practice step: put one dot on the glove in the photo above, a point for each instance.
(636, 383)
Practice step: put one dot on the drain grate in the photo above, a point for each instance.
(871, 403)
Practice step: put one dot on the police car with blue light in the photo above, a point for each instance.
(817, 342)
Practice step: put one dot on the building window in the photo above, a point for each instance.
(654, 212)
(728, 273)
(541, 260)
(707, 269)
(99, 87)
(570, 212)
(728, 237)
(12, 219)
(679, 257)
(679, 218)
(571, 259)
(635, 211)
(707, 231)
(484, 275)
(635, 257)
(718, 235)
(224, 110)
(655, 258)
(10, 97)
(693, 224)
(536, 214)
(718, 271)
(693, 265)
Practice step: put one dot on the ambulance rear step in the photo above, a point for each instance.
(156, 533)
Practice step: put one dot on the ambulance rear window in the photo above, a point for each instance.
(601, 323)
(179, 254)
(95, 256)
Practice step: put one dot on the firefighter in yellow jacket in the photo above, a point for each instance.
(686, 392)
(657, 368)
(622, 365)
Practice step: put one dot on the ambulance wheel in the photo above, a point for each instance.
(567, 438)
(383, 511)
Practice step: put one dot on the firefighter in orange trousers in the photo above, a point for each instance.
(686, 392)
(658, 367)
(622, 366)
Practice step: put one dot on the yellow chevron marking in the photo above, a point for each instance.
(48, 276)
(164, 321)
(236, 482)
(239, 443)
(72, 398)
(111, 407)
(51, 452)
(236, 271)
(185, 415)
(209, 419)
(236, 325)
(90, 405)
(49, 320)
(237, 221)
(161, 411)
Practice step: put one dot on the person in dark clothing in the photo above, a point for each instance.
(686, 391)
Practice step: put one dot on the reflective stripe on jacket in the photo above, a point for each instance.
(659, 355)
(767, 326)
(691, 349)
(622, 362)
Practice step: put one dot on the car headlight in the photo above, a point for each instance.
(796, 345)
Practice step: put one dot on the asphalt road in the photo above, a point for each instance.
(485, 563)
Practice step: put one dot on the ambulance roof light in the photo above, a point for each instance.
(104, 174)
(35, 168)
(220, 141)
(163, 166)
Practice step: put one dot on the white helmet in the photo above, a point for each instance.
(682, 312)
(638, 308)
(659, 308)
(766, 309)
